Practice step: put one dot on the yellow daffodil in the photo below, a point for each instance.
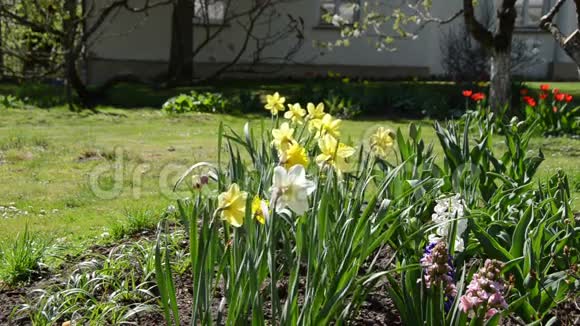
(294, 155)
(315, 112)
(295, 113)
(275, 103)
(381, 141)
(259, 209)
(232, 204)
(334, 153)
(327, 126)
(283, 137)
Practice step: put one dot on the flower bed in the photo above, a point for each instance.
(290, 227)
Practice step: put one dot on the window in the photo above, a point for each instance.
(530, 12)
(347, 11)
(208, 12)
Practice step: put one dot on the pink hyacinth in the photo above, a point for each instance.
(438, 270)
(485, 290)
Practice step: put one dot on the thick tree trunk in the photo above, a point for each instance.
(1, 53)
(180, 68)
(500, 79)
(499, 43)
(73, 80)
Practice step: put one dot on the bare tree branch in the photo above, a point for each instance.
(476, 29)
(260, 13)
(547, 24)
(426, 20)
(118, 4)
(244, 46)
(570, 45)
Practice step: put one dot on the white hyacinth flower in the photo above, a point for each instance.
(446, 210)
(291, 189)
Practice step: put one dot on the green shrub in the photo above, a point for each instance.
(11, 102)
(42, 95)
(247, 100)
(350, 98)
(197, 102)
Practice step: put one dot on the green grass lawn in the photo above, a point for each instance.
(572, 88)
(47, 157)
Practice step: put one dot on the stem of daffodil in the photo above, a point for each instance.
(302, 130)
(272, 262)
(309, 140)
(396, 155)
(197, 282)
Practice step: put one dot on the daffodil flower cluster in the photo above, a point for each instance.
(321, 127)
(290, 187)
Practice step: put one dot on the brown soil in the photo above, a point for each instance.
(378, 309)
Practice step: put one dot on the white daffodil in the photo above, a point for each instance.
(446, 210)
(291, 189)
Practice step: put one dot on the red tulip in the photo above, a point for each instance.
(524, 91)
(560, 97)
(467, 93)
(555, 91)
(544, 87)
(530, 101)
(569, 98)
(543, 95)
(478, 97)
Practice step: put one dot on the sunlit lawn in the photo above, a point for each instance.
(47, 157)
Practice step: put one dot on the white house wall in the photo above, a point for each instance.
(361, 52)
(140, 43)
(133, 36)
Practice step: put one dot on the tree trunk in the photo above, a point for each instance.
(73, 80)
(572, 47)
(500, 78)
(180, 68)
(1, 53)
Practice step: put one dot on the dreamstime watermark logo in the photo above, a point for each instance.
(118, 175)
